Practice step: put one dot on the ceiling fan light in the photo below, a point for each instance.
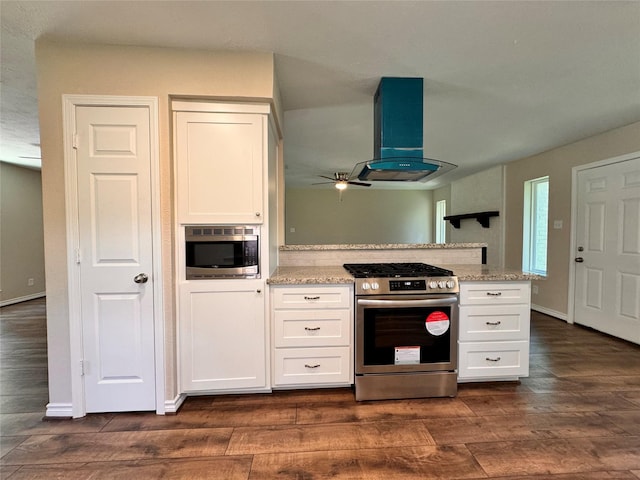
(341, 185)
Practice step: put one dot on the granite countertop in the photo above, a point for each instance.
(471, 273)
(309, 275)
(338, 275)
(379, 246)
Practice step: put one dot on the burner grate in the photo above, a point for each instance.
(382, 270)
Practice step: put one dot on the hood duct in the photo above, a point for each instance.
(398, 135)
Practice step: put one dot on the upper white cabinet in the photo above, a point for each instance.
(220, 162)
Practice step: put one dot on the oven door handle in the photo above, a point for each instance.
(427, 302)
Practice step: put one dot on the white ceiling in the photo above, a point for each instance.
(503, 80)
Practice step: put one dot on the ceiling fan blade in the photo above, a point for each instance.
(359, 184)
(328, 178)
(322, 183)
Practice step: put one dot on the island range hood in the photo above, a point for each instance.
(398, 135)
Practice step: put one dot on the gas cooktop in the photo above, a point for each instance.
(401, 278)
(390, 270)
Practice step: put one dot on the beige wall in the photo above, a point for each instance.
(21, 234)
(557, 164)
(480, 192)
(130, 71)
(363, 216)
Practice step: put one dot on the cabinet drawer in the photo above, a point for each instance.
(487, 322)
(494, 293)
(312, 328)
(307, 366)
(314, 297)
(493, 359)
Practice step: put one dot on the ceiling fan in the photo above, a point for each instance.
(341, 180)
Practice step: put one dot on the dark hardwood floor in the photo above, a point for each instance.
(576, 417)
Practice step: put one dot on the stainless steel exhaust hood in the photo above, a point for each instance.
(398, 135)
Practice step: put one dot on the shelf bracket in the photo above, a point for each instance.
(481, 217)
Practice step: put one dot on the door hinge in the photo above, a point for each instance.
(74, 141)
(82, 368)
(78, 255)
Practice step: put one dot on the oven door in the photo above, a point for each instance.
(406, 333)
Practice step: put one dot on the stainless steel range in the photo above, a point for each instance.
(406, 330)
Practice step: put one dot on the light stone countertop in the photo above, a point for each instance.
(338, 275)
(379, 246)
(310, 275)
(470, 273)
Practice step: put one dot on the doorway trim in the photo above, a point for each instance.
(574, 218)
(70, 102)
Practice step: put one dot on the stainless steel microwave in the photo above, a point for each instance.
(222, 251)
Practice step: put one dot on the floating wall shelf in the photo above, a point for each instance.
(481, 217)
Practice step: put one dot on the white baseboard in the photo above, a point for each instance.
(25, 298)
(550, 312)
(172, 406)
(59, 410)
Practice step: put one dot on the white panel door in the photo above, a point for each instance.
(222, 335)
(219, 158)
(607, 250)
(115, 237)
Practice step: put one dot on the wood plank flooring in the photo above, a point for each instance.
(576, 417)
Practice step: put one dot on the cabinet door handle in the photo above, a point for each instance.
(312, 329)
(495, 324)
(312, 298)
(492, 294)
(489, 359)
(258, 214)
(311, 366)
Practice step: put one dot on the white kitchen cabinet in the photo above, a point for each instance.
(221, 162)
(312, 335)
(222, 336)
(494, 330)
(225, 166)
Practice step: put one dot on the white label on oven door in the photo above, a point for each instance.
(437, 323)
(407, 355)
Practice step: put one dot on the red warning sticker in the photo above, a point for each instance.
(437, 323)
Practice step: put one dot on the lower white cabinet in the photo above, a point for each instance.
(312, 335)
(222, 336)
(494, 330)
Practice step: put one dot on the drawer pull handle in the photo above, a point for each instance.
(312, 329)
(492, 294)
(494, 324)
(311, 366)
(312, 298)
(488, 359)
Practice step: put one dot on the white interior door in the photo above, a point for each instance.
(115, 239)
(607, 250)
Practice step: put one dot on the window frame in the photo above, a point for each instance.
(441, 223)
(531, 227)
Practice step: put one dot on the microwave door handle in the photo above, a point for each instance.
(450, 300)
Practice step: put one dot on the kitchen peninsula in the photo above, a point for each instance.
(494, 311)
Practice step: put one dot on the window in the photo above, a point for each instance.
(535, 227)
(441, 223)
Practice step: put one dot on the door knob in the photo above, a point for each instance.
(141, 278)
(579, 259)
